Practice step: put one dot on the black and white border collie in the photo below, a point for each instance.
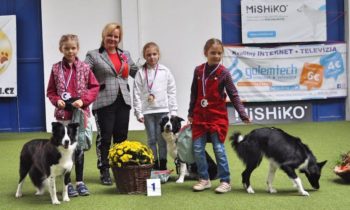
(283, 151)
(45, 159)
(170, 127)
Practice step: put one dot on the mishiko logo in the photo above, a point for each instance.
(266, 9)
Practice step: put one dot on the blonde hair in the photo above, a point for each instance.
(211, 42)
(149, 45)
(68, 37)
(109, 28)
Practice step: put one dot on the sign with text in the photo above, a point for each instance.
(276, 21)
(297, 72)
(274, 112)
(8, 56)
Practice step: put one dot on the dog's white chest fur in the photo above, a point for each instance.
(170, 139)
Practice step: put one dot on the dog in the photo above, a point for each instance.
(283, 151)
(46, 159)
(170, 127)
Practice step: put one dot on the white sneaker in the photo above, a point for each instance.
(201, 185)
(223, 187)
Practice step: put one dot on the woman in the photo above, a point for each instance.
(112, 67)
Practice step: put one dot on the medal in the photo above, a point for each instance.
(150, 98)
(65, 96)
(204, 103)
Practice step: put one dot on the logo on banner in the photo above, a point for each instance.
(236, 73)
(333, 65)
(312, 75)
(5, 52)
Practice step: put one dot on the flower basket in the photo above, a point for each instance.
(131, 163)
(342, 169)
(343, 173)
(132, 179)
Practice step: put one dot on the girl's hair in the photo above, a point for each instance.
(68, 37)
(109, 28)
(148, 45)
(211, 42)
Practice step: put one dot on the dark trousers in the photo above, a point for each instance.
(79, 165)
(111, 121)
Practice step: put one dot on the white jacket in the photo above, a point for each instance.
(163, 88)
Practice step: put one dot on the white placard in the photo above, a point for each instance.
(275, 21)
(296, 72)
(153, 187)
(8, 56)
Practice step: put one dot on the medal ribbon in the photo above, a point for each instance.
(150, 85)
(204, 81)
(69, 77)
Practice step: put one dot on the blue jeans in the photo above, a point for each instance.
(220, 156)
(155, 139)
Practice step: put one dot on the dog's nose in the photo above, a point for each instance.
(167, 126)
(66, 142)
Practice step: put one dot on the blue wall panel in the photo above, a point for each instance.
(29, 106)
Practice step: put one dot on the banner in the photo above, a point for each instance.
(276, 21)
(297, 72)
(8, 56)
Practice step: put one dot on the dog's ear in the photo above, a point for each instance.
(321, 164)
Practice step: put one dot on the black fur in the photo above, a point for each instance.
(38, 155)
(287, 151)
(173, 125)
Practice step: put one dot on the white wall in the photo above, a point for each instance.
(179, 27)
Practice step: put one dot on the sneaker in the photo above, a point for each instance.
(105, 177)
(201, 185)
(223, 187)
(82, 189)
(71, 191)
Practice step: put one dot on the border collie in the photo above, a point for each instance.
(45, 159)
(170, 127)
(283, 151)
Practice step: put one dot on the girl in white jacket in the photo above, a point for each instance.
(154, 96)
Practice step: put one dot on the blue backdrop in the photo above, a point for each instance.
(27, 111)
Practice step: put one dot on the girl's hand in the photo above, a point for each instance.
(247, 121)
(78, 103)
(141, 120)
(61, 104)
(190, 120)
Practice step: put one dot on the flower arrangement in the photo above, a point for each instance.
(130, 153)
(342, 168)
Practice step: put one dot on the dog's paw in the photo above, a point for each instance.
(179, 181)
(66, 199)
(18, 194)
(250, 190)
(271, 190)
(56, 202)
(39, 192)
(304, 193)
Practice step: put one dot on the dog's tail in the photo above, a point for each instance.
(236, 138)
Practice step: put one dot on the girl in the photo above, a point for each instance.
(72, 85)
(154, 96)
(208, 114)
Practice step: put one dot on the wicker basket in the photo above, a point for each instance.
(344, 174)
(132, 179)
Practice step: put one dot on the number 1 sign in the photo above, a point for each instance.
(153, 187)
